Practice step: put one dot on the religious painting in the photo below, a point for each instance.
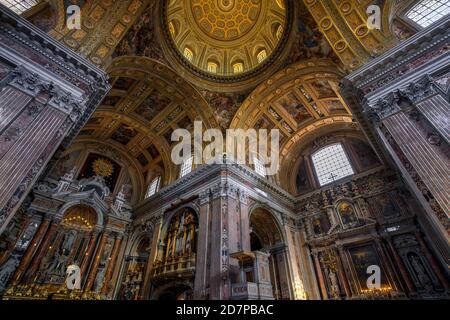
(127, 187)
(99, 165)
(140, 40)
(305, 94)
(110, 100)
(264, 123)
(302, 181)
(401, 30)
(153, 151)
(320, 224)
(363, 257)
(421, 273)
(335, 106)
(64, 165)
(323, 89)
(388, 206)
(347, 214)
(292, 104)
(365, 154)
(224, 105)
(152, 105)
(309, 42)
(123, 83)
(124, 134)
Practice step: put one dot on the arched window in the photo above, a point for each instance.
(172, 29)
(280, 3)
(426, 12)
(188, 54)
(331, 163)
(19, 6)
(212, 67)
(238, 67)
(279, 33)
(153, 187)
(259, 166)
(262, 55)
(186, 166)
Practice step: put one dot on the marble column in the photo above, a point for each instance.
(31, 250)
(43, 248)
(89, 252)
(39, 113)
(146, 284)
(111, 264)
(401, 266)
(432, 262)
(319, 273)
(342, 273)
(96, 262)
(203, 247)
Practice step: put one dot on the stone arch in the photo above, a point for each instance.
(172, 288)
(72, 204)
(299, 100)
(171, 214)
(292, 161)
(267, 235)
(130, 166)
(147, 102)
(268, 226)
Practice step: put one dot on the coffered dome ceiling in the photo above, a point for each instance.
(226, 41)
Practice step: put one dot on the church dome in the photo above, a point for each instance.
(226, 41)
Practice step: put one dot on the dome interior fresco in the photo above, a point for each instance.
(223, 150)
(226, 37)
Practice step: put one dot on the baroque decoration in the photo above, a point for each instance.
(87, 180)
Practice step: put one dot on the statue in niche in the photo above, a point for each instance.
(60, 269)
(50, 264)
(99, 279)
(347, 214)
(69, 239)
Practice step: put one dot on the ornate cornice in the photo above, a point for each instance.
(401, 98)
(32, 84)
(395, 66)
(34, 38)
(64, 71)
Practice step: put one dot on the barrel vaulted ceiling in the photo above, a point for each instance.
(156, 89)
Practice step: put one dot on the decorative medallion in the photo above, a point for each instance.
(102, 167)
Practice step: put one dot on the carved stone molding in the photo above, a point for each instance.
(400, 99)
(32, 84)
